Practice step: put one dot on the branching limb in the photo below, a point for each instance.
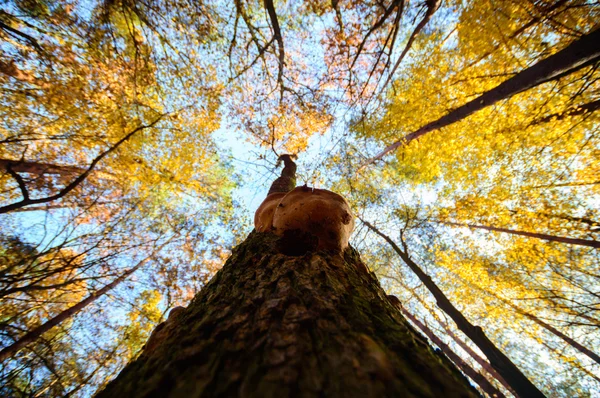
(27, 201)
(19, 180)
(377, 25)
(254, 32)
(277, 35)
(18, 34)
(432, 6)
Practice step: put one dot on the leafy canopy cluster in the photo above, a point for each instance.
(121, 181)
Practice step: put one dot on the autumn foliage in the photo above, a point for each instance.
(138, 138)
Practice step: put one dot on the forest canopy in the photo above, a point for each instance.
(137, 139)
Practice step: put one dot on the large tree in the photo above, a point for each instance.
(273, 325)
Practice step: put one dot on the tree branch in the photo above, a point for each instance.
(277, 35)
(81, 177)
(432, 6)
(14, 32)
(497, 358)
(551, 238)
(575, 56)
(377, 25)
(20, 181)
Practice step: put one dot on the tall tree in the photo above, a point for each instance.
(582, 53)
(66, 314)
(501, 363)
(270, 325)
(462, 365)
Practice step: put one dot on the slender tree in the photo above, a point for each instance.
(66, 314)
(482, 362)
(572, 342)
(462, 365)
(579, 54)
(517, 380)
(550, 238)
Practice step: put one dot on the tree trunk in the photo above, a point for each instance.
(503, 365)
(579, 347)
(462, 365)
(271, 325)
(482, 362)
(581, 53)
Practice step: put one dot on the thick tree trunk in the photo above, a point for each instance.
(271, 325)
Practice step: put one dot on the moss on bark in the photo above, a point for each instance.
(271, 325)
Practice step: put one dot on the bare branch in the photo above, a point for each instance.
(17, 33)
(432, 6)
(551, 238)
(377, 25)
(277, 35)
(20, 181)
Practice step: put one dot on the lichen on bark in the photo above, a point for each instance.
(272, 325)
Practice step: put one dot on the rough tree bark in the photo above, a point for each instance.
(271, 325)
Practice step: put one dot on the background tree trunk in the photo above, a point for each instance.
(270, 325)
(502, 363)
(35, 334)
(458, 361)
(482, 362)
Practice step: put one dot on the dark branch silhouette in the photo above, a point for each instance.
(277, 35)
(579, 347)
(482, 362)
(66, 314)
(582, 109)
(432, 6)
(26, 201)
(551, 238)
(577, 55)
(377, 25)
(503, 365)
(460, 363)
